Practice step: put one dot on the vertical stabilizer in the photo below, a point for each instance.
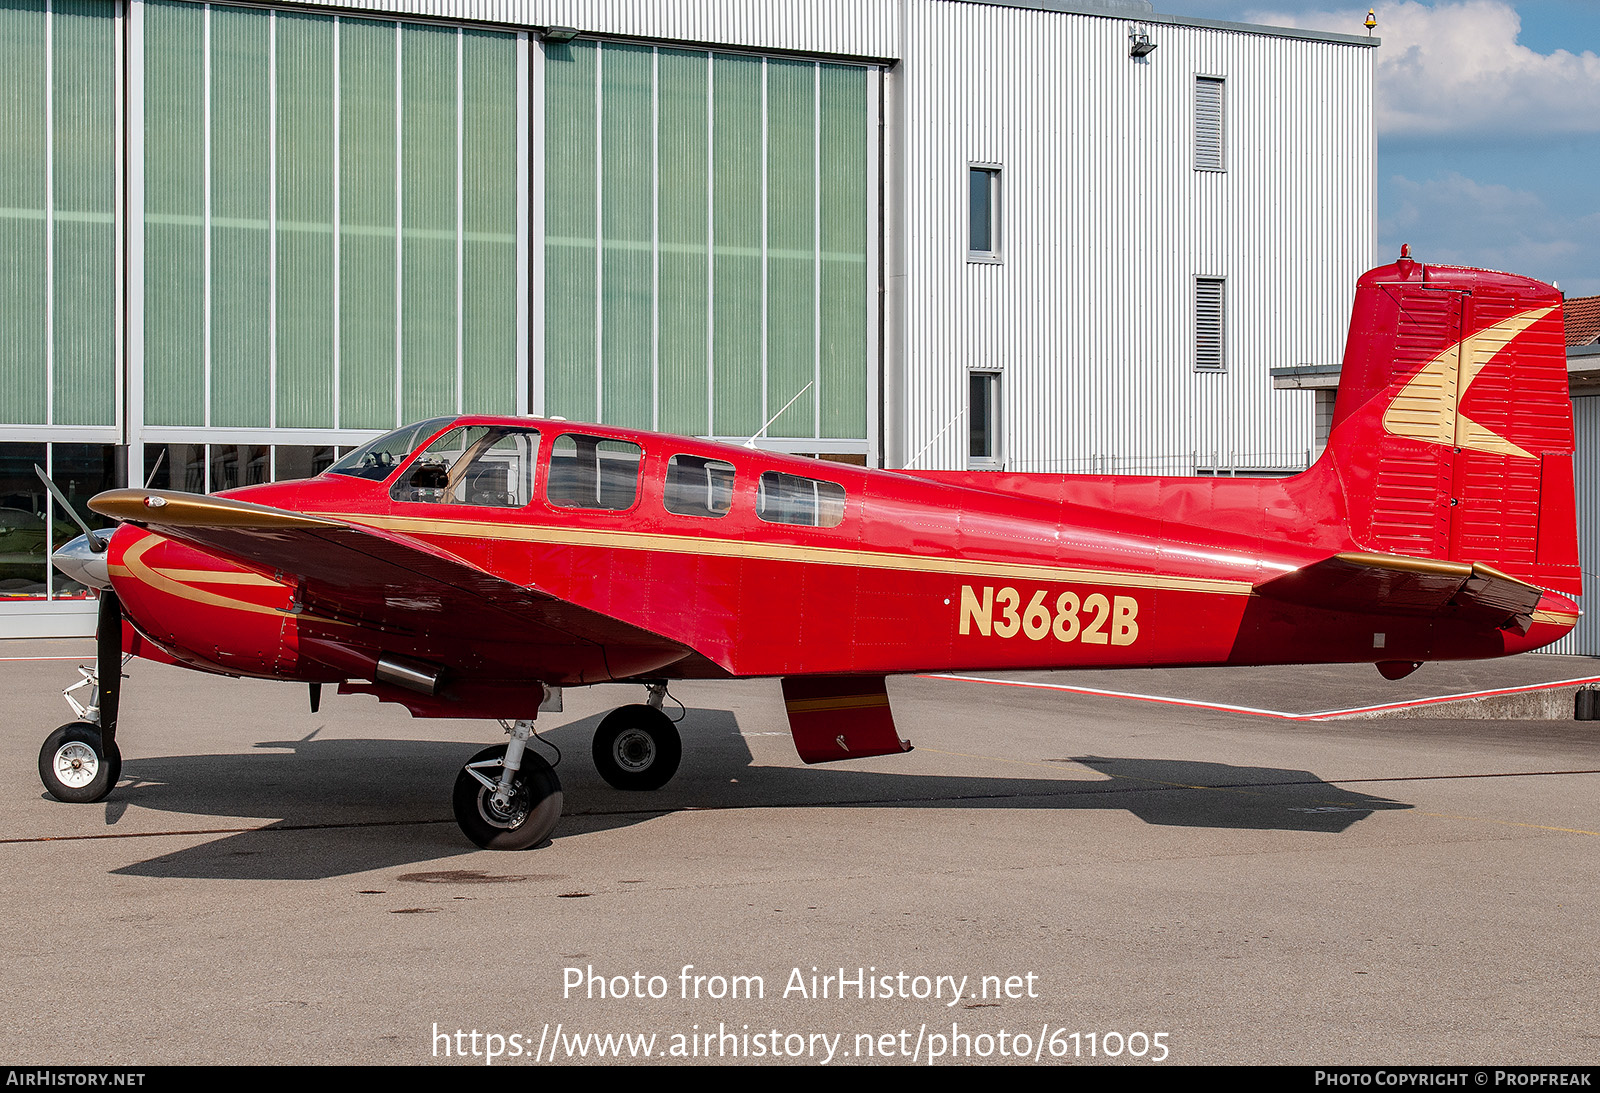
(1452, 432)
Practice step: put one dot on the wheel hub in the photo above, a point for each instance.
(509, 817)
(634, 751)
(76, 764)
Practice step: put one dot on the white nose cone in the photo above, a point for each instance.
(84, 564)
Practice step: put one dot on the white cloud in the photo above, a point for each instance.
(1456, 220)
(1456, 67)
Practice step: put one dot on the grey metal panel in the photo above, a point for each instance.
(858, 28)
(1584, 640)
(1090, 314)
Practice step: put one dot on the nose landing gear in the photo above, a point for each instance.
(79, 763)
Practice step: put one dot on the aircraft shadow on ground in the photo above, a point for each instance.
(349, 806)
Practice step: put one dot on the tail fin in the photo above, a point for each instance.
(1452, 431)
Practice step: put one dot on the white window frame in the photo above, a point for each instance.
(993, 254)
(995, 460)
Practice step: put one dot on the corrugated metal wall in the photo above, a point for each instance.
(1584, 640)
(863, 28)
(1106, 223)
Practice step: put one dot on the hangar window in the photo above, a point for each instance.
(1208, 124)
(791, 499)
(697, 486)
(983, 420)
(983, 213)
(593, 472)
(1210, 324)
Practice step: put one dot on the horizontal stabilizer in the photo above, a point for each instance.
(1393, 584)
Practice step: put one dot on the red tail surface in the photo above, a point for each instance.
(1452, 433)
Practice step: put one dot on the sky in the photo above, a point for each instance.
(1488, 126)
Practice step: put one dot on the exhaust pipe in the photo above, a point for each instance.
(413, 675)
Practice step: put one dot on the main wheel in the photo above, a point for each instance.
(534, 810)
(637, 747)
(77, 766)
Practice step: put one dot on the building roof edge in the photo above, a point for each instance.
(1140, 12)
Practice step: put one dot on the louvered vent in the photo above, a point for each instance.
(1208, 324)
(1208, 124)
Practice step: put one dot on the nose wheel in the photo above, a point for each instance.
(637, 747)
(77, 765)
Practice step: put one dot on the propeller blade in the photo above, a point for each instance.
(95, 543)
(108, 662)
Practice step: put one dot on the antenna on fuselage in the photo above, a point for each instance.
(751, 443)
(159, 460)
(912, 462)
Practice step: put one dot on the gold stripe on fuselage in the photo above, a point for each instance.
(835, 556)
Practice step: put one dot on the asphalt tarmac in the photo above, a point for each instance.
(1048, 877)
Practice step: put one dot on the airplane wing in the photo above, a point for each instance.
(1400, 585)
(392, 584)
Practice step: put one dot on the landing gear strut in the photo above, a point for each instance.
(638, 747)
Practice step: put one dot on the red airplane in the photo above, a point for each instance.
(473, 566)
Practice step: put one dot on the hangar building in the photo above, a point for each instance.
(1045, 235)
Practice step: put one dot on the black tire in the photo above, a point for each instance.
(637, 747)
(535, 804)
(77, 766)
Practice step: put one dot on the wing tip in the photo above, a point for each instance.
(171, 508)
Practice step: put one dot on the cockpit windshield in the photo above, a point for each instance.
(377, 460)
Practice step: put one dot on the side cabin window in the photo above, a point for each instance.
(593, 472)
(483, 465)
(791, 499)
(697, 486)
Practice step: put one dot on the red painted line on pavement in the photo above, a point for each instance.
(1281, 715)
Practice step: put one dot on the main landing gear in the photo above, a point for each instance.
(508, 798)
(638, 747)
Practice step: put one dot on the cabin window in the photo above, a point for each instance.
(790, 499)
(378, 459)
(593, 472)
(697, 486)
(482, 465)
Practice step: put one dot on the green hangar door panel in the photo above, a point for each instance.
(58, 236)
(339, 251)
(707, 220)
